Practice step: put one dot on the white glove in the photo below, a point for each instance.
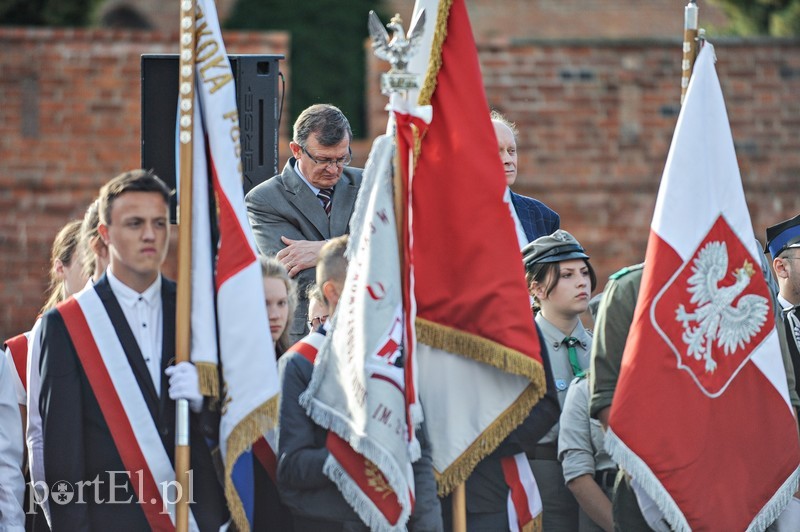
(184, 384)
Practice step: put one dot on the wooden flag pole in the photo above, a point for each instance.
(459, 499)
(689, 45)
(184, 295)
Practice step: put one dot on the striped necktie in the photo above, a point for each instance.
(571, 342)
(326, 197)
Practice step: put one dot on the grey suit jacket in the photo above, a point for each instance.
(285, 206)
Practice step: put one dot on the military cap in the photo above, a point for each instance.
(783, 236)
(552, 248)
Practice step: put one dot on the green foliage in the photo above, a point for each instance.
(778, 18)
(46, 12)
(327, 49)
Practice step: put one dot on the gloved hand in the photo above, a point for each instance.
(184, 384)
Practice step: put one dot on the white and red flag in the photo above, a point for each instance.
(230, 327)
(477, 351)
(357, 390)
(701, 417)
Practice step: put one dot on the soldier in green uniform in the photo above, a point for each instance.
(614, 317)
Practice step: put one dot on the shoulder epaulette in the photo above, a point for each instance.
(626, 270)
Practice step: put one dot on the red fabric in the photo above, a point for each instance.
(114, 414)
(467, 262)
(518, 495)
(308, 351)
(19, 354)
(720, 459)
(235, 252)
(369, 478)
(405, 145)
(266, 458)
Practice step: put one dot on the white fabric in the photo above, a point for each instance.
(652, 515)
(701, 184)
(12, 483)
(130, 395)
(534, 498)
(19, 389)
(785, 304)
(521, 236)
(355, 376)
(789, 520)
(452, 431)
(33, 434)
(145, 318)
(696, 156)
(184, 384)
(246, 350)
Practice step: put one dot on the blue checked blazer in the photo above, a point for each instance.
(537, 218)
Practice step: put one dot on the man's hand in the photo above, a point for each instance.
(299, 255)
(184, 384)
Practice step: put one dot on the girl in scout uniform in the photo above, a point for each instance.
(560, 281)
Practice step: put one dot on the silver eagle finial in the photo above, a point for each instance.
(397, 49)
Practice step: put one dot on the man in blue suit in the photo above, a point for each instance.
(532, 218)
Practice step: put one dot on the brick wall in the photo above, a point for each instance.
(596, 121)
(69, 121)
(571, 19)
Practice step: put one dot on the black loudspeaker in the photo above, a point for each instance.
(256, 79)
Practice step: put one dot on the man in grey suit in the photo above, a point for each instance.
(311, 201)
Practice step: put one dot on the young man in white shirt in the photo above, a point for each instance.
(108, 386)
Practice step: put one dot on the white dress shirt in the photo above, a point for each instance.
(12, 483)
(145, 318)
(521, 237)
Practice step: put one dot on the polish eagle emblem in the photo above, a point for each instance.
(398, 49)
(716, 318)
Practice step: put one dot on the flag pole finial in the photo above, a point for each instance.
(690, 44)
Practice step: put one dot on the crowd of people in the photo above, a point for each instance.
(92, 387)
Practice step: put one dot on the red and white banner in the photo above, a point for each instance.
(524, 500)
(124, 408)
(357, 388)
(227, 286)
(477, 353)
(701, 417)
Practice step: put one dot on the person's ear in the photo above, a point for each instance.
(102, 230)
(98, 247)
(780, 268)
(330, 291)
(297, 150)
(59, 269)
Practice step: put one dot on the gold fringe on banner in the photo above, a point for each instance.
(496, 355)
(243, 436)
(488, 441)
(534, 526)
(435, 59)
(208, 375)
(481, 350)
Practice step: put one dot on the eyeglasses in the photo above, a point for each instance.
(316, 321)
(340, 162)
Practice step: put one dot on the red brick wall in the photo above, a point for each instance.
(69, 121)
(596, 121)
(573, 19)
